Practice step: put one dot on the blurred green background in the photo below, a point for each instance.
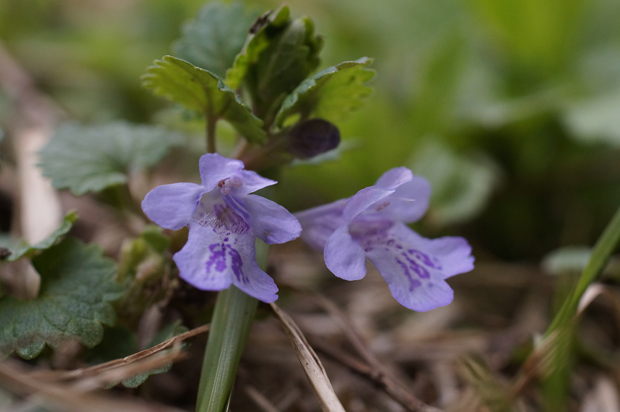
(510, 108)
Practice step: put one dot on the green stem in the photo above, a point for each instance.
(555, 386)
(211, 122)
(603, 249)
(230, 327)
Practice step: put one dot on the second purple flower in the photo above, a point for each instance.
(371, 224)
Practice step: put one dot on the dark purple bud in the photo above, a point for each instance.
(313, 137)
(4, 253)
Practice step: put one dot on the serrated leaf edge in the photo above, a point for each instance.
(310, 85)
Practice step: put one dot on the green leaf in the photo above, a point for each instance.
(30, 251)
(117, 342)
(595, 120)
(462, 184)
(73, 302)
(173, 329)
(289, 58)
(330, 94)
(257, 41)
(213, 39)
(142, 269)
(203, 91)
(147, 248)
(91, 158)
(604, 247)
(275, 60)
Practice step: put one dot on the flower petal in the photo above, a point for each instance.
(409, 201)
(362, 200)
(203, 261)
(415, 267)
(254, 281)
(269, 221)
(343, 255)
(393, 178)
(320, 222)
(252, 182)
(215, 258)
(214, 168)
(452, 252)
(172, 206)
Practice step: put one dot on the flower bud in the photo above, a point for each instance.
(313, 137)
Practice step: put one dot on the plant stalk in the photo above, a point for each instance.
(230, 327)
(210, 130)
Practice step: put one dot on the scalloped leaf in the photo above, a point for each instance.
(91, 158)
(73, 302)
(330, 94)
(214, 38)
(257, 41)
(282, 53)
(200, 90)
(30, 251)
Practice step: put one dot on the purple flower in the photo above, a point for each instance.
(371, 225)
(223, 219)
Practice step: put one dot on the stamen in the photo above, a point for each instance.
(381, 206)
(226, 185)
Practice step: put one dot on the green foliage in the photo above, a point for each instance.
(170, 331)
(91, 158)
(257, 41)
(120, 342)
(330, 94)
(150, 243)
(462, 185)
(204, 92)
(277, 58)
(31, 251)
(601, 254)
(213, 39)
(73, 302)
(556, 350)
(596, 119)
(142, 266)
(537, 34)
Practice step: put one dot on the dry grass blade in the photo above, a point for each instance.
(350, 332)
(375, 371)
(61, 397)
(595, 290)
(97, 369)
(310, 362)
(118, 374)
(544, 360)
(603, 397)
(487, 388)
(260, 400)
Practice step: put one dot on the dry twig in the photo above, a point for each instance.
(98, 369)
(62, 397)
(373, 369)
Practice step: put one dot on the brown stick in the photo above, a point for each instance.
(63, 397)
(94, 370)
